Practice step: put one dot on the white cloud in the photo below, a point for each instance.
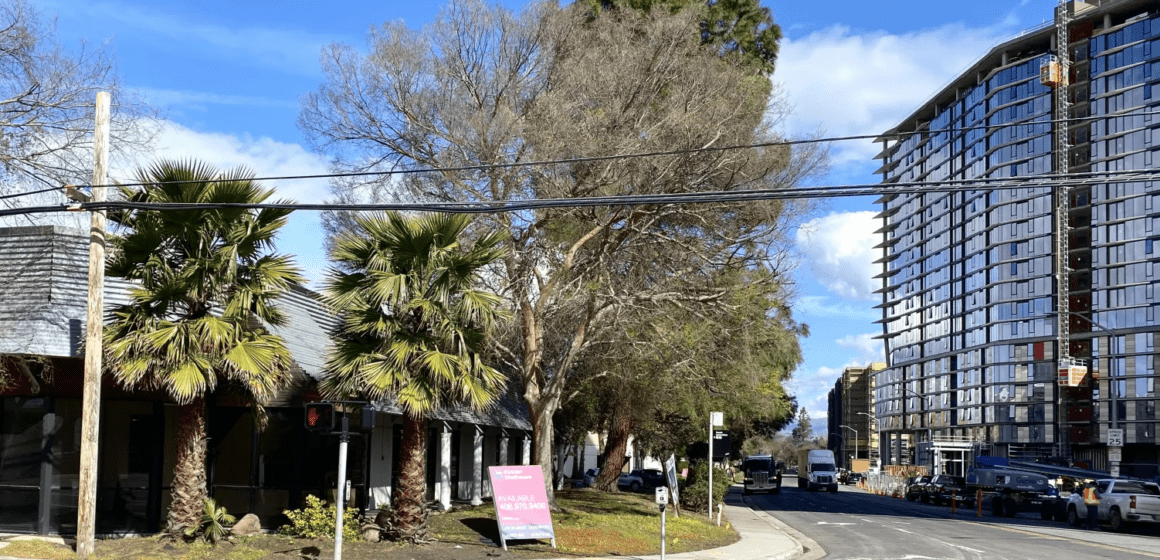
(868, 348)
(266, 157)
(840, 250)
(823, 307)
(850, 84)
(811, 387)
(166, 97)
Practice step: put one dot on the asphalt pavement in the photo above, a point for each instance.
(855, 524)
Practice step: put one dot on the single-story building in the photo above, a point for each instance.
(43, 290)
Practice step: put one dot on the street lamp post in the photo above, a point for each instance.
(855, 441)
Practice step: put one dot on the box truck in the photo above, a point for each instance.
(817, 469)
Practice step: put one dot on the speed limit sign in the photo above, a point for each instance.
(1116, 437)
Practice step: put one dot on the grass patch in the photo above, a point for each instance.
(594, 523)
(591, 524)
(37, 549)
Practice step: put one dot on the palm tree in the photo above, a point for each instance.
(411, 325)
(202, 276)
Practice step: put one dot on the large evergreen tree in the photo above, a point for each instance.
(803, 431)
(735, 28)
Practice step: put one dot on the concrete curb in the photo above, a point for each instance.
(789, 532)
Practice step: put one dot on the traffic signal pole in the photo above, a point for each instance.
(343, 439)
(321, 417)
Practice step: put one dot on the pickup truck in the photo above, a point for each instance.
(1121, 502)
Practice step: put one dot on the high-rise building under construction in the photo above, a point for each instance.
(1019, 273)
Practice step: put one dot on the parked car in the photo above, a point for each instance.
(641, 479)
(916, 488)
(944, 488)
(589, 478)
(853, 478)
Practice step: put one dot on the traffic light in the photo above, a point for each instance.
(320, 416)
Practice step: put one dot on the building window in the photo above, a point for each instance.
(1014, 249)
(1148, 246)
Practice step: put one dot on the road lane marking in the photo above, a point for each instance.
(829, 523)
(1055, 538)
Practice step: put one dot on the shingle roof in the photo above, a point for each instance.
(43, 294)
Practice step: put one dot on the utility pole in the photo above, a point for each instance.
(94, 326)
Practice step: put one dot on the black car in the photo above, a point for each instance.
(853, 478)
(945, 488)
(642, 479)
(916, 488)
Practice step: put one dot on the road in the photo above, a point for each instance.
(854, 524)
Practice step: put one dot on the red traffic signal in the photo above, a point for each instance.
(320, 417)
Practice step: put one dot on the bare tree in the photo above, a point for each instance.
(47, 98)
(482, 86)
(47, 101)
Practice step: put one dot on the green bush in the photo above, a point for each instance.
(316, 521)
(695, 489)
(213, 526)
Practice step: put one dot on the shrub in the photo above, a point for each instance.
(213, 526)
(316, 521)
(695, 490)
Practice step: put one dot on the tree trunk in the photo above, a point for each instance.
(542, 451)
(409, 510)
(189, 490)
(614, 452)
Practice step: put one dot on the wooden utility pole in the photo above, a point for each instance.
(94, 325)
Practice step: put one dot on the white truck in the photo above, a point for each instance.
(817, 469)
(1121, 502)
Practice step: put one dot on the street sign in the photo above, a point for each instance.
(662, 495)
(717, 418)
(671, 476)
(721, 444)
(1114, 454)
(1115, 437)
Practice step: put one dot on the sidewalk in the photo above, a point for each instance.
(761, 537)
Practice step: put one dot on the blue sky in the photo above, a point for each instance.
(227, 76)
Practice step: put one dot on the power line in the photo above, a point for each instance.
(705, 197)
(636, 155)
(897, 136)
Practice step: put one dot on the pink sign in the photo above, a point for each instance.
(521, 504)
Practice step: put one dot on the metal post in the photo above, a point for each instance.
(662, 532)
(343, 438)
(856, 436)
(710, 465)
(91, 401)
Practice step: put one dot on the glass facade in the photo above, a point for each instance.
(970, 283)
